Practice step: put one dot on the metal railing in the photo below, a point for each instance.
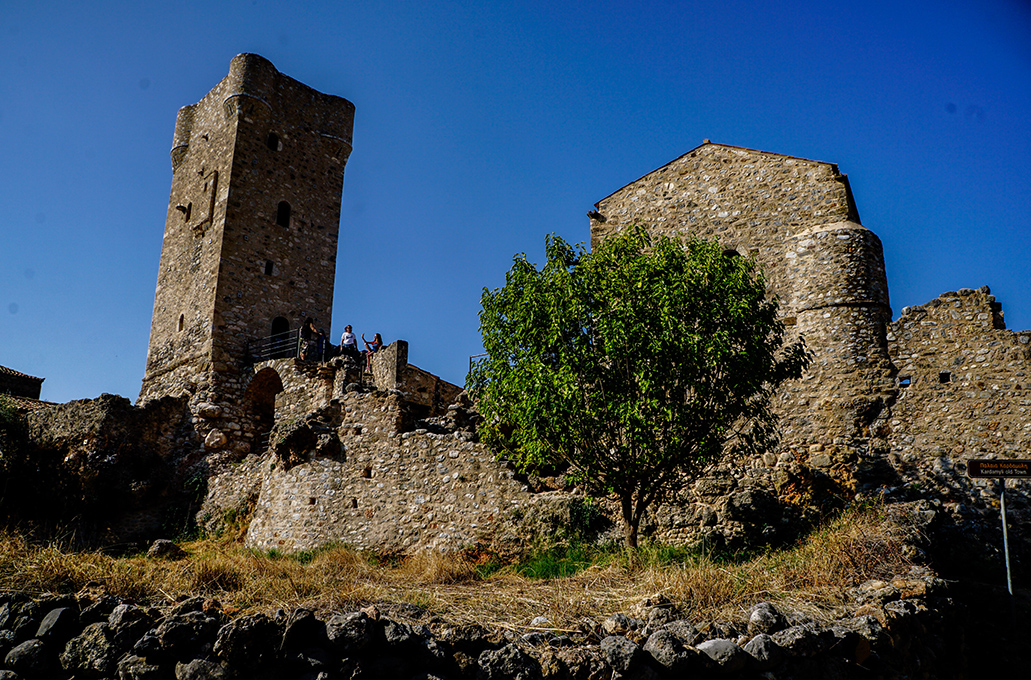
(291, 345)
(280, 346)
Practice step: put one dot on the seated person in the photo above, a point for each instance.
(371, 348)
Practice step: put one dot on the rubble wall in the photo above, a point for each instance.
(386, 490)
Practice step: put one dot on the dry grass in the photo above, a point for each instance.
(811, 576)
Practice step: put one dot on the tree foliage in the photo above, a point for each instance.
(638, 365)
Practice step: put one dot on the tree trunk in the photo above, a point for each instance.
(631, 521)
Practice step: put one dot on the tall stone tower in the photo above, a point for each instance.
(250, 237)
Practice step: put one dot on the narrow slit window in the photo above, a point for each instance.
(283, 214)
(182, 322)
(272, 141)
(269, 267)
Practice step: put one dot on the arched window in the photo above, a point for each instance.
(283, 214)
(272, 141)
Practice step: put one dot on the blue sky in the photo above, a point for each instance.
(482, 127)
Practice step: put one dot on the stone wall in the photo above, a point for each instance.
(380, 486)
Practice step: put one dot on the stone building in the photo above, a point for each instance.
(17, 384)
(388, 459)
(884, 403)
(250, 239)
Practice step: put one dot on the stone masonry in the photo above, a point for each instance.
(944, 383)
(250, 238)
(313, 453)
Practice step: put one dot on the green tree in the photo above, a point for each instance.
(638, 365)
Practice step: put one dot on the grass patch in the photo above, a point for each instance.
(566, 584)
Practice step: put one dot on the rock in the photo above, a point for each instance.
(7, 641)
(849, 645)
(215, 439)
(765, 653)
(869, 627)
(672, 654)
(622, 654)
(303, 630)
(350, 633)
(127, 624)
(728, 657)
(58, 626)
(163, 549)
(28, 659)
(617, 624)
(90, 653)
(583, 663)
(247, 642)
(133, 667)
(199, 669)
(685, 631)
(801, 640)
(183, 636)
(765, 618)
(209, 410)
(507, 663)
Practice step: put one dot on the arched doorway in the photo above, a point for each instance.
(282, 346)
(259, 405)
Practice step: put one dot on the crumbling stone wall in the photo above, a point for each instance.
(360, 476)
(122, 472)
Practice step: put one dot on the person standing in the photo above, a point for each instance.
(349, 344)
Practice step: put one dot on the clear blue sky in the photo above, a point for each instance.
(483, 126)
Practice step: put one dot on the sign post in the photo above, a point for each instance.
(1001, 469)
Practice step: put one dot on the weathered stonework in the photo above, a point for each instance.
(250, 237)
(386, 459)
(387, 489)
(884, 403)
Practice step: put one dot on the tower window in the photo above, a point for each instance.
(945, 377)
(905, 381)
(182, 322)
(269, 266)
(272, 141)
(283, 214)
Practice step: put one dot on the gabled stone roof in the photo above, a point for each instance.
(725, 146)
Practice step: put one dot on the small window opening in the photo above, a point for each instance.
(905, 381)
(367, 472)
(269, 267)
(311, 500)
(272, 141)
(182, 322)
(945, 377)
(283, 214)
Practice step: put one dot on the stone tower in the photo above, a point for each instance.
(250, 236)
(798, 219)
